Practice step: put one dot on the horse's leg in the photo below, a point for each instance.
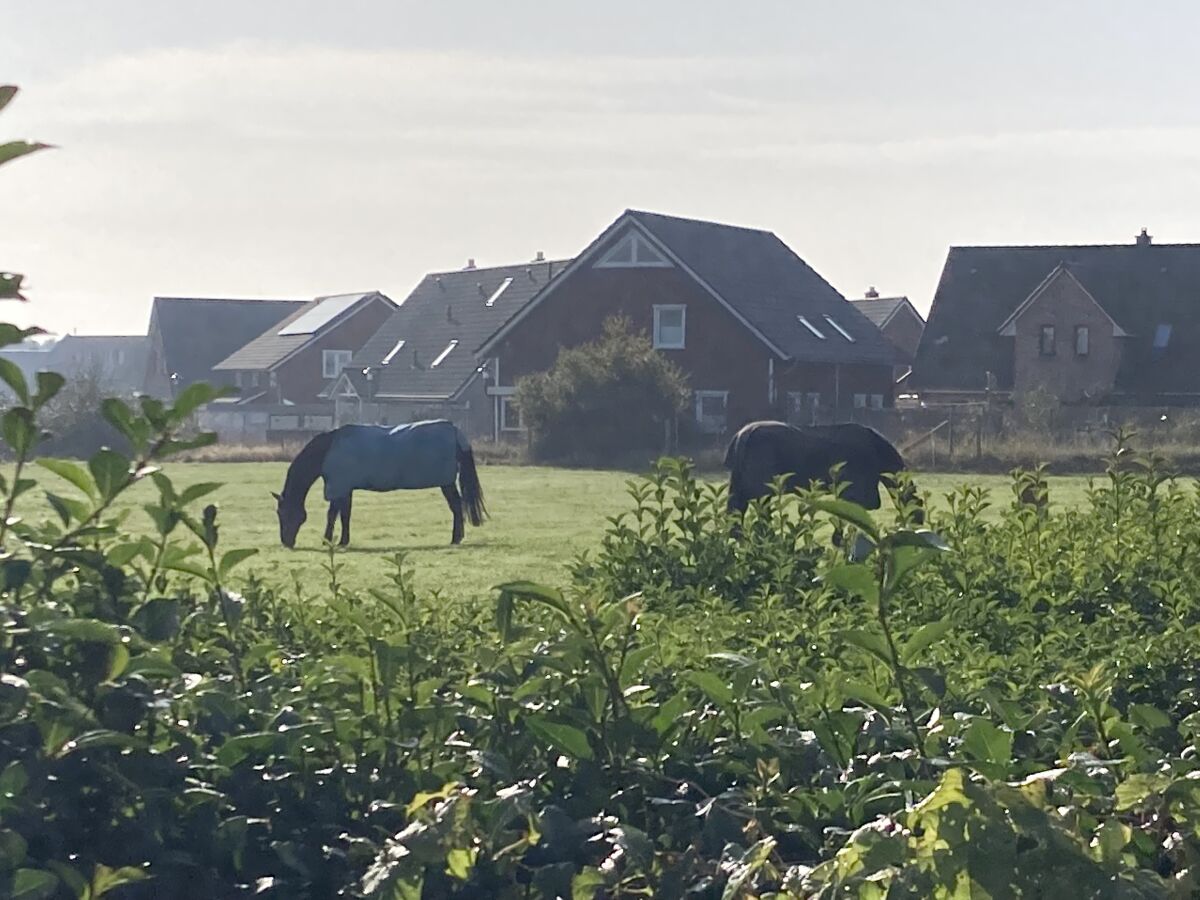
(454, 501)
(330, 519)
(346, 518)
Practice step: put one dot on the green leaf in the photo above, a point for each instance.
(118, 659)
(233, 557)
(71, 472)
(926, 636)
(1111, 840)
(871, 641)
(92, 630)
(635, 662)
(158, 619)
(48, 386)
(922, 537)
(987, 743)
(669, 713)
(713, 686)
(68, 510)
(194, 492)
(16, 149)
(19, 430)
(13, 848)
(7, 92)
(460, 861)
(855, 579)
(10, 374)
(736, 659)
(110, 469)
(105, 879)
(10, 334)
(118, 414)
(864, 693)
(741, 872)
(1137, 789)
(566, 738)
(1151, 718)
(536, 593)
(33, 884)
(237, 748)
(94, 740)
(850, 512)
(587, 884)
(192, 397)
(155, 663)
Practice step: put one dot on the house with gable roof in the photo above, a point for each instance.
(421, 362)
(899, 321)
(294, 360)
(188, 336)
(1115, 323)
(757, 331)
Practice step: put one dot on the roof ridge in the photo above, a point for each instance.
(1070, 246)
(694, 221)
(524, 265)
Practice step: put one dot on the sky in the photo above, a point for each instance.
(294, 148)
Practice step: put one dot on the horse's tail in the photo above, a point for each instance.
(468, 485)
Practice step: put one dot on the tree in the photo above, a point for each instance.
(603, 400)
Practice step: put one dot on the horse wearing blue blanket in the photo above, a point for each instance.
(376, 458)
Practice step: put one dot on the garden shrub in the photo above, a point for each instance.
(603, 401)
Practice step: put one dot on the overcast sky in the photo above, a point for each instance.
(292, 148)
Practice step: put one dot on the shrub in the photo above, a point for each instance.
(604, 400)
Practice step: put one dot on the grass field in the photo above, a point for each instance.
(540, 519)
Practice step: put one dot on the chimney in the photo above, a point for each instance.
(871, 293)
(541, 257)
(471, 263)
(1144, 239)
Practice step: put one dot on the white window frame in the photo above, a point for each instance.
(391, 354)
(701, 396)
(876, 401)
(637, 242)
(803, 320)
(332, 357)
(1083, 331)
(441, 357)
(840, 330)
(860, 401)
(491, 301)
(659, 309)
(506, 403)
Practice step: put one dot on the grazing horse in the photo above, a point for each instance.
(762, 451)
(377, 458)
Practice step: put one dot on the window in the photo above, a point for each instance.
(669, 327)
(877, 401)
(710, 410)
(237, 379)
(811, 327)
(840, 330)
(1046, 342)
(860, 401)
(633, 252)
(510, 415)
(333, 361)
(491, 301)
(1081, 340)
(392, 353)
(441, 357)
(1162, 336)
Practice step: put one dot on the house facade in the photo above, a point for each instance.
(295, 360)
(899, 321)
(422, 364)
(188, 336)
(1093, 324)
(757, 332)
(116, 363)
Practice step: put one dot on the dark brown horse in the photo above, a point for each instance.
(762, 451)
(375, 458)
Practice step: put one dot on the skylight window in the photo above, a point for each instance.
(811, 327)
(500, 290)
(840, 330)
(392, 353)
(1162, 335)
(442, 356)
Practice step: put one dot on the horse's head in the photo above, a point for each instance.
(291, 517)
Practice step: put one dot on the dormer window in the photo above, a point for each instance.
(634, 251)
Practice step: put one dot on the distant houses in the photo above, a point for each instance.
(756, 330)
(1088, 324)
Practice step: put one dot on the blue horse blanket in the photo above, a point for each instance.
(378, 458)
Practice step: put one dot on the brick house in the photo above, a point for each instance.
(899, 321)
(296, 359)
(1089, 324)
(188, 336)
(755, 329)
(421, 363)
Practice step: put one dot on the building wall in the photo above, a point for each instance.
(719, 353)
(301, 380)
(836, 389)
(904, 331)
(1065, 305)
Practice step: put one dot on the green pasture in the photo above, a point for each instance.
(541, 518)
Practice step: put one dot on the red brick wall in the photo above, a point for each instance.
(300, 379)
(1065, 304)
(719, 353)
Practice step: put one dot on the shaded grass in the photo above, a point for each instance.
(542, 518)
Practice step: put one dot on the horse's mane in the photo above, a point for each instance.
(306, 467)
